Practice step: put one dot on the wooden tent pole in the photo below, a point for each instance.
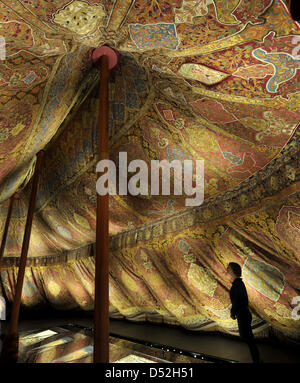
(5, 232)
(108, 59)
(101, 310)
(13, 328)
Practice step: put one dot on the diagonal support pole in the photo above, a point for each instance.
(10, 348)
(13, 328)
(6, 227)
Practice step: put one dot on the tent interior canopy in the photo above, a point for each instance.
(212, 80)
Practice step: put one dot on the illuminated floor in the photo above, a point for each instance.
(72, 344)
(215, 345)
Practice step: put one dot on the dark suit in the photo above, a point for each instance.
(240, 311)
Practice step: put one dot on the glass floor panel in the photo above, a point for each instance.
(74, 344)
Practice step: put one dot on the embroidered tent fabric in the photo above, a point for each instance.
(197, 79)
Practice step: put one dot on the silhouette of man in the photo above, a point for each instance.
(240, 309)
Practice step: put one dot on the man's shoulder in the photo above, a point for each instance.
(238, 281)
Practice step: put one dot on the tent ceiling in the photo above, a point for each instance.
(198, 79)
(216, 80)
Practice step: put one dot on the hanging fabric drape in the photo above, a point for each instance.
(10, 346)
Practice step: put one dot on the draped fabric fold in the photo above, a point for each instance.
(209, 80)
(181, 278)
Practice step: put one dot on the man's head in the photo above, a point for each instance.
(234, 269)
